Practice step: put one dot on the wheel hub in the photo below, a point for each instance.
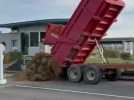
(90, 75)
(73, 74)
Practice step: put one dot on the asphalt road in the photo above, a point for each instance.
(61, 90)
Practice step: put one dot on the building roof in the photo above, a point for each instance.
(36, 22)
(119, 39)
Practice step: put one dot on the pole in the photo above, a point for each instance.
(2, 80)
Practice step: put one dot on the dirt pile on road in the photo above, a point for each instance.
(42, 68)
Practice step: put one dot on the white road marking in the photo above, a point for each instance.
(78, 92)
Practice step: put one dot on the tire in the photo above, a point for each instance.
(74, 73)
(113, 75)
(92, 74)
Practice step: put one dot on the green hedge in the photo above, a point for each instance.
(111, 53)
(15, 56)
(125, 56)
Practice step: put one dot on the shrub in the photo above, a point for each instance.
(12, 56)
(111, 53)
(16, 56)
(125, 56)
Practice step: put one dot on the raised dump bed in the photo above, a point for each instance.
(90, 22)
(75, 41)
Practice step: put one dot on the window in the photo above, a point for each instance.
(34, 39)
(14, 43)
(42, 35)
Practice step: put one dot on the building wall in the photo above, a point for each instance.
(27, 30)
(16, 35)
(8, 38)
(129, 47)
(121, 46)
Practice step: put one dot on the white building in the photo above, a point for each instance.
(125, 44)
(12, 41)
(26, 37)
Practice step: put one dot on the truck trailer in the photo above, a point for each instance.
(74, 42)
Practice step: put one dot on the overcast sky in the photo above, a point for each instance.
(25, 10)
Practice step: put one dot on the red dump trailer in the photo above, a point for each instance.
(75, 41)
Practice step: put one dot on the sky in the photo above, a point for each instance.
(27, 10)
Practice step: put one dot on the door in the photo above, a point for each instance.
(24, 43)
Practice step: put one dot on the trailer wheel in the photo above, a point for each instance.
(74, 73)
(112, 75)
(92, 74)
